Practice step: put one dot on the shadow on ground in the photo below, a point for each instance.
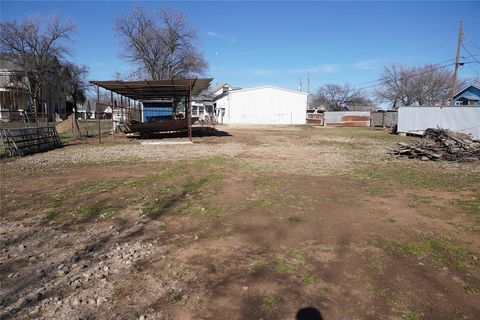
(197, 132)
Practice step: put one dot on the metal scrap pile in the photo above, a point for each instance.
(441, 144)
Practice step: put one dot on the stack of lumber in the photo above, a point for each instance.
(441, 144)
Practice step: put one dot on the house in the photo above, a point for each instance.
(469, 96)
(14, 96)
(16, 102)
(88, 110)
(261, 105)
(202, 106)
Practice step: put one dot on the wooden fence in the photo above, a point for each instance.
(24, 141)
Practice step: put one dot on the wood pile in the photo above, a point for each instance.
(441, 144)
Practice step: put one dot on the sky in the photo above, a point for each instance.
(282, 43)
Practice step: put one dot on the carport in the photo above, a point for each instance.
(142, 90)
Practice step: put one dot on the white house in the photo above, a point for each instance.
(261, 105)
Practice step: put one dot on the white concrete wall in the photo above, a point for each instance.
(461, 119)
(264, 105)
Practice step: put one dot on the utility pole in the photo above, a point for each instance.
(457, 63)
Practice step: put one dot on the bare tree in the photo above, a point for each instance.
(161, 45)
(334, 97)
(36, 47)
(407, 86)
(76, 85)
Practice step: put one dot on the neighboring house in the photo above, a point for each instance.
(261, 105)
(470, 96)
(221, 88)
(15, 98)
(202, 106)
(88, 110)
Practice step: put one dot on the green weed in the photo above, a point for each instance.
(295, 218)
(269, 300)
(470, 290)
(306, 278)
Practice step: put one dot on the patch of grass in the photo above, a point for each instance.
(55, 200)
(469, 206)
(440, 250)
(177, 197)
(173, 296)
(306, 278)
(295, 218)
(377, 264)
(375, 191)
(267, 183)
(207, 211)
(269, 300)
(384, 177)
(213, 160)
(366, 133)
(256, 264)
(82, 214)
(160, 205)
(415, 315)
(96, 186)
(286, 265)
(95, 211)
(470, 290)
(52, 216)
(306, 126)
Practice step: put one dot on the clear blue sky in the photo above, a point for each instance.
(276, 43)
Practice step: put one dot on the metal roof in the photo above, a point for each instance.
(155, 89)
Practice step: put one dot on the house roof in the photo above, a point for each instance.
(470, 96)
(155, 89)
(6, 62)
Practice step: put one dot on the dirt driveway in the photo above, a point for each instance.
(255, 225)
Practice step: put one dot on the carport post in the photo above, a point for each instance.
(111, 106)
(98, 116)
(189, 113)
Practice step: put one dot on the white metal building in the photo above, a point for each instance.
(261, 105)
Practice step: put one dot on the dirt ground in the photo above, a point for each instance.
(256, 224)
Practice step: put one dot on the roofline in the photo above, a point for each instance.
(269, 87)
(468, 86)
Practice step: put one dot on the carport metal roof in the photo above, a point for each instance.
(155, 89)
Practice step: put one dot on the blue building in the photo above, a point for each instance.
(470, 96)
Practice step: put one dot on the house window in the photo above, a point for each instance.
(201, 109)
(194, 110)
(458, 103)
(472, 102)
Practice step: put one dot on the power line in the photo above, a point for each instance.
(410, 76)
(471, 55)
(417, 74)
(475, 45)
(425, 67)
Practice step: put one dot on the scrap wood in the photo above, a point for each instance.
(441, 144)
